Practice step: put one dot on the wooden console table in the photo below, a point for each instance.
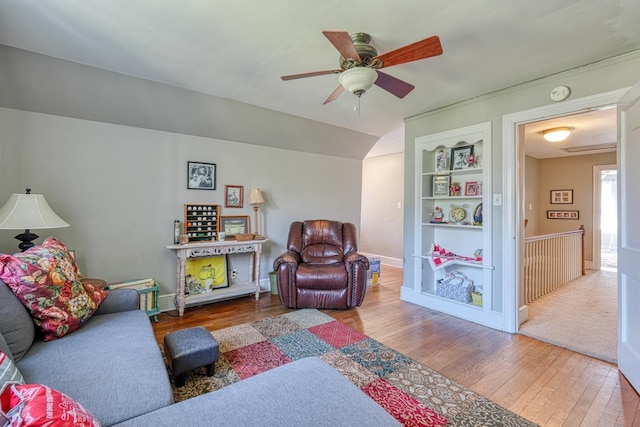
(206, 249)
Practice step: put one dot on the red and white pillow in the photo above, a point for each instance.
(36, 405)
(48, 282)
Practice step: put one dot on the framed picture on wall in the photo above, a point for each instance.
(554, 214)
(561, 197)
(201, 176)
(233, 196)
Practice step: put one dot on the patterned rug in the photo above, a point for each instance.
(413, 393)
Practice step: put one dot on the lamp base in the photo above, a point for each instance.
(258, 237)
(27, 239)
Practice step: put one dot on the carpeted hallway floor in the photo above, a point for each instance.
(580, 316)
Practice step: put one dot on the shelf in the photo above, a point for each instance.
(454, 172)
(234, 290)
(451, 197)
(452, 301)
(433, 153)
(463, 263)
(473, 227)
(200, 222)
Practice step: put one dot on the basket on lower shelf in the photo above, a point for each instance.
(148, 290)
(455, 286)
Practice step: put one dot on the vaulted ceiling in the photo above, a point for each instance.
(237, 50)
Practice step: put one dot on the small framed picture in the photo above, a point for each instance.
(233, 196)
(561, 197)
(462, 157)
(554, 214)
(441, 160)
(201, 176)
(471, 188)
(232, 225)
(441, 185)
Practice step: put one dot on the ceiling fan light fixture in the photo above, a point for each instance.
(358, 80)
(556, 134)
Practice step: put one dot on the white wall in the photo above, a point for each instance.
(531, 195)
(382, 219)
(122, 187)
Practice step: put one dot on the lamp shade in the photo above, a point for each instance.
(29, 211)
(556, 134)
(358, 80)
(255, 196)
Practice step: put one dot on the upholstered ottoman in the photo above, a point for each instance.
(190, 349)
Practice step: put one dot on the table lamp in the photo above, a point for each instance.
(29, 212)
(256, 199)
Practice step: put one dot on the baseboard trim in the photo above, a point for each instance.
(393, 262)
(523, 314)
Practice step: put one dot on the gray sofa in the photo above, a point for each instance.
(112, 365)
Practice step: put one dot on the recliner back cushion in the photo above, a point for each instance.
(16, 325)
(322, 242)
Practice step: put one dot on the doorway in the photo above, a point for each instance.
(515, 311)
(607, 178)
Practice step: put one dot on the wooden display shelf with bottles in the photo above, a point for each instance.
(201, 222)
(453, 180)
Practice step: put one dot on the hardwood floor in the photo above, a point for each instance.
(544, 383)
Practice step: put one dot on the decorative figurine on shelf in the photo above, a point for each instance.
(437, 215)
(441, 161)
(472, 161)
(477, 215)
(455, 189)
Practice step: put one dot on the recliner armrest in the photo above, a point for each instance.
(289, 257)
(355, 257)
(119, 300)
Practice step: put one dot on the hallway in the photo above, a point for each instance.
(580, 316)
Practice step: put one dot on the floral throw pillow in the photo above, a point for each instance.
(48, 282)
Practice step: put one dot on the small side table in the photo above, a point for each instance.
(98, 283)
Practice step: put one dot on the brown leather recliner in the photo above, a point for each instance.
(321, 267)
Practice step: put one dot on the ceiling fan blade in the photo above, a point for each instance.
(393, 85)
(341, 40)
(311, 74)
(334, 95)
(419, 50)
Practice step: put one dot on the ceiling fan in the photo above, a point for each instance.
(360, 64)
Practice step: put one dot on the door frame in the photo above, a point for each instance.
(514, 309)
(597, 208)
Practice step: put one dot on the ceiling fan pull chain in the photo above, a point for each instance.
(357, 107)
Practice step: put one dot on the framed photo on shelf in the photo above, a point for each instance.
(461, 157)
(471, 188)
(441, 185)
(561, 197)
(203, 274)
(554, 214)
(233, 196)
(201, 176)
(441, 160)
(232, 225)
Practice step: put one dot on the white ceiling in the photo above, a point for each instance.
(590, 130)
(239, 49)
